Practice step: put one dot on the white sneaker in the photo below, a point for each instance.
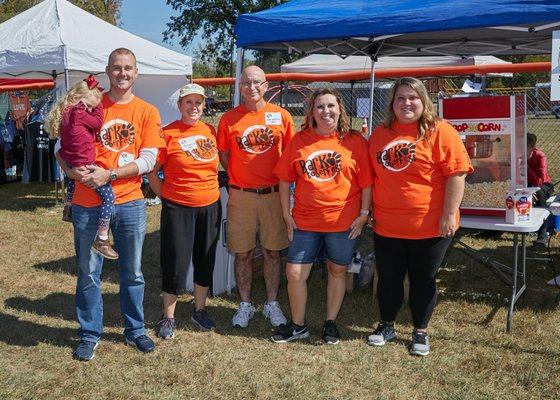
(273, 311)
(244, 313)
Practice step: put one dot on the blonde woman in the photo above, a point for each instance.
(76, 119)
(419, 166)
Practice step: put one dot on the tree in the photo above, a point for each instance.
(107, 10)
(215, 20)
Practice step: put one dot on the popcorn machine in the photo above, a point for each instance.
(493, 129)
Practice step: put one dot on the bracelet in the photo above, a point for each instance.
(365, 212)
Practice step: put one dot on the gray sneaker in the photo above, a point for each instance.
(420, 345)
(244, 313)
(382, 334)
(201, 319)
(165, 328)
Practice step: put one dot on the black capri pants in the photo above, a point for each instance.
(188, 233)
(421, 258)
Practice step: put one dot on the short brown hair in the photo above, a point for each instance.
(121, 51)
(531, 139)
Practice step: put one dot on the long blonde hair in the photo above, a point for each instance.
(343, 127)
(76, 93)
(429, 120)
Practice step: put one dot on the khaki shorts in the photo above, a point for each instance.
(251, 214)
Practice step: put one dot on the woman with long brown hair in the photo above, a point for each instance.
(419, 166)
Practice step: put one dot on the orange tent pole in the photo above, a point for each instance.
(393, 73)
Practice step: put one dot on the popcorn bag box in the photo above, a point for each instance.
(518, 206)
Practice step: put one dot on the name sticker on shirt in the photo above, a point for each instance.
(273, 118)
(125, 158)
(188, 144)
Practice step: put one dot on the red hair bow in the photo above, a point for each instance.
(92, 83)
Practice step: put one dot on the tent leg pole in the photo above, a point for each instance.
(238, 70)
(371, 90)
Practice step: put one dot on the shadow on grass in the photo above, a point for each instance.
(17, 332)
(28, 196)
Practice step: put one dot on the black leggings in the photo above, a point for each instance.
(188, 233)
(421, 258)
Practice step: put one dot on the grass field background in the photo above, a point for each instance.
(472, 355)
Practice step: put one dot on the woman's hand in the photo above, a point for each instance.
(290, 226)
(447, 225)
(357, 226)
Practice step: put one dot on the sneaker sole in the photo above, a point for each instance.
(292, 338)
(419, 353)
(165, 337)
(379, 344)
(86, 359)
(331, 342)
(202, 328)
(132, 344)
(103, 255)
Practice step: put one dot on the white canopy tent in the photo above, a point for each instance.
(330, 63)
(56, 38)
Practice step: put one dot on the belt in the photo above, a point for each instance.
(266, 190)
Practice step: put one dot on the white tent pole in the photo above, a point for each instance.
(238, 69)
(371, 90)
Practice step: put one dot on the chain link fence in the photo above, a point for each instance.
(543, 116)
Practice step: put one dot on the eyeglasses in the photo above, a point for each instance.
(248, 84)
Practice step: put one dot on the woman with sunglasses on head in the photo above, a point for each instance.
(419, 166)
(329, 164)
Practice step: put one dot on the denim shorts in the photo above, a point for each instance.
(306, 247)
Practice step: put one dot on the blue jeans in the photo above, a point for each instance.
(306, 247)
(128, 224)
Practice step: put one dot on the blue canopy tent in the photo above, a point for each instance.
(403, 27)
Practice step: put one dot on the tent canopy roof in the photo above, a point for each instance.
(57, 35)
(406, 27)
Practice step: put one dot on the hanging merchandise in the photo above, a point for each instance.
(20, 107)
(39, 163)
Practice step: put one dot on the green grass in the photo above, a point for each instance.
(472, 355)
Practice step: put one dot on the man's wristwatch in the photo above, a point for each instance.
(112, 175)
(365, 212)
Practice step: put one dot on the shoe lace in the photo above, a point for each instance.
(244, 310)
(383, 329)
(275, 311)
(166, 323)
(420, 337)
(202, 315)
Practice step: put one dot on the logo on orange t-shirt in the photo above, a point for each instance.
(117, 135)
(397, 155)
(322, 165)
(256, 139)
(198, 147)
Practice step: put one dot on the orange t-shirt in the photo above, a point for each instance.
(20, 107)
(190, 164)
(126, 129)
(329, 177)
(410, 177)
(254, 140)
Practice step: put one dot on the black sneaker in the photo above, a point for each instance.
(165, 328)
(203, 320)
(142, 343)
(290, 332)
(420, 345)
(382, 334)
(330, 333)
(84, 351)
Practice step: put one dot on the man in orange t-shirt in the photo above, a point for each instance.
(251, 138)
(126, 148)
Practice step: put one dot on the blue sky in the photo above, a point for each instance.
(148, 19)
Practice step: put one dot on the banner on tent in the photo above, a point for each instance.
(555, 67)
